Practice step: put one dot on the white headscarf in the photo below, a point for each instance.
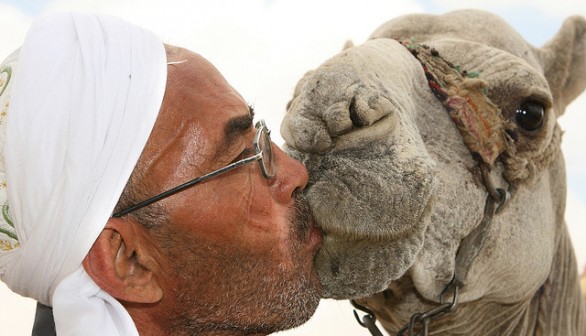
(82, 104)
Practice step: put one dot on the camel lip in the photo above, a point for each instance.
(359, 279)
(327, 227)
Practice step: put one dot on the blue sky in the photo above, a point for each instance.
(30, 7)
(534, 24)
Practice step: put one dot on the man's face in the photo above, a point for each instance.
(239, 248)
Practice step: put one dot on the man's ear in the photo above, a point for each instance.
(122, 262)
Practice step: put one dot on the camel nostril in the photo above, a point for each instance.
(335, 268)
(355, 115)
(366, 107)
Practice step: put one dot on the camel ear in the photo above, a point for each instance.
(122, 262)
(564, 62)
(349, 44)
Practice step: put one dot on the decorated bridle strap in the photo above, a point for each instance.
(482, 128)
(477, 118)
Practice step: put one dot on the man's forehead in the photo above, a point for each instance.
(197, 91)
(193, 79)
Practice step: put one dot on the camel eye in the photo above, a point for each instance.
(530, 116)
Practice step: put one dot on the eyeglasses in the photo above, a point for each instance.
(264, 156)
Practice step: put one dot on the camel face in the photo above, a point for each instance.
(394, 186)
(371, 183)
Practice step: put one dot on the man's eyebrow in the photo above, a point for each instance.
(238, 126)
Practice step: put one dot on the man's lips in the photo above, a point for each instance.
(315, 238)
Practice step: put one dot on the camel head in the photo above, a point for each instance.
(396, 166)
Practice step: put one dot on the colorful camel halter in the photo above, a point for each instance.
(477, 118)
(484, 132)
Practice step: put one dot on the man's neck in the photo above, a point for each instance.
(150, 325)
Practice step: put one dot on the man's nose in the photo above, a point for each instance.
(291, 175)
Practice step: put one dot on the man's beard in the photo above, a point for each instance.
(238, 291)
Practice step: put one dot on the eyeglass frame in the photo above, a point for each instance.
(261, 129)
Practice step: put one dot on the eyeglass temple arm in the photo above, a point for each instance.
(185, 185)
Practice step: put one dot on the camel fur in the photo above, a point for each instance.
(396, 190)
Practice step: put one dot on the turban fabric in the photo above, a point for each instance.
(80, 100)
